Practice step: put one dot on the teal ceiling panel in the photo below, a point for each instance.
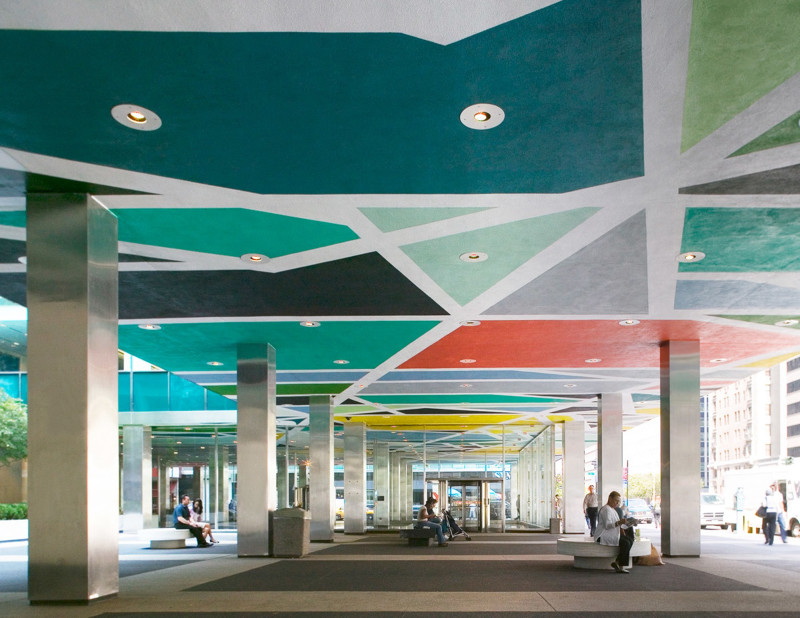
(227, 231)
(391, 219)
(323, 113)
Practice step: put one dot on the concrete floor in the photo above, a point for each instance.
(164, 590)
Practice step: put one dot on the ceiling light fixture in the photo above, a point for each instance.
(255, 258)
(691, 256)
(718, 360)
(342, 362)
(471, 323)
(482, 116)
(570, 385)
(214, 363)
(149, 327)
(473, 256)
(309, 324)
(466, 386)
(136, 117)
(467, 361)
(786, 322)
(628, 322)
(592, 360)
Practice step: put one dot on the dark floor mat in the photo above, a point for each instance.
(490, 576)
(459, 547)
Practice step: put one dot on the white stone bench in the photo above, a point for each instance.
(165, 538)
(589, 554)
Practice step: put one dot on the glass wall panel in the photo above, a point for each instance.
(150, 391)
(536, 479)
(185, 395)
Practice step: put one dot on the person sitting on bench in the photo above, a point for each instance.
(427, 519)
(182, 521)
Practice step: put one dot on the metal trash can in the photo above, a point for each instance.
(555, 525)
(290, 532)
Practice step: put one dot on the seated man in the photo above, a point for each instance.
(608, 529)
(182, 521)
(427, 519)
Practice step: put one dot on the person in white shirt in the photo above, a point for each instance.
(781, 518)
(771, 504)
(608, 527)
(590, 504)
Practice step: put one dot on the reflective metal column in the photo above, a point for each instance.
(320, 451)
(219, 494)
(73, 552)
(137, 478)
(256, 489)
(355, 478)
(609, 443)
(380, 476)
(680, 448)
(573, 469)
(395, 499)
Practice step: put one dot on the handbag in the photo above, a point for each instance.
(762, 511)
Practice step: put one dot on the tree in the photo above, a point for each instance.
(645, 486)
(13, 429)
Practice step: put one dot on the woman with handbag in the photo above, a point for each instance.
(769, 506)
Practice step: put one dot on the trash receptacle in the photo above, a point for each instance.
(290, 533)
(555, 525)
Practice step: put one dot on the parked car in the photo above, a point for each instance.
(638, 508)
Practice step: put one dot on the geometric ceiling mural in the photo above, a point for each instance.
(472, 274)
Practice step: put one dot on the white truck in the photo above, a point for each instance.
(744, 490)
(713, 512)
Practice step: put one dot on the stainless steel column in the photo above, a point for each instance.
(256, 490)
(320, 451)
(408, 486)
(395, 497)
(282, 483)
(165, 507)
(573, 469)
(680, 448)
(380, 477)
(73, 550)
(218, 486)
(609, 444)
(137, 478)
(355, 478)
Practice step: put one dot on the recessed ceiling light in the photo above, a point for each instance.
(482, 116)
(23, 259)
(786, 323)
(202, 448)
(136, 117)
(255, 258)
(149, 327)
(628, 322)
(342, 362)
(178, 442)
(466, 386)
(718, 360)
(570, 385)
(691, 256)
(593, 360)
(214, 363)
(187, 428)
(309, 324)
(467, 361)
(474, 256)
(471, 323)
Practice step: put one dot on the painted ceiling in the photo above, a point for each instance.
(461, 279)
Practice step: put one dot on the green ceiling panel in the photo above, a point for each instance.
(742, 239)
(739, 51)
(391, 219)
(15, 218)
(508, 246)
(782, 134)
(227, 231)
(190, 347)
